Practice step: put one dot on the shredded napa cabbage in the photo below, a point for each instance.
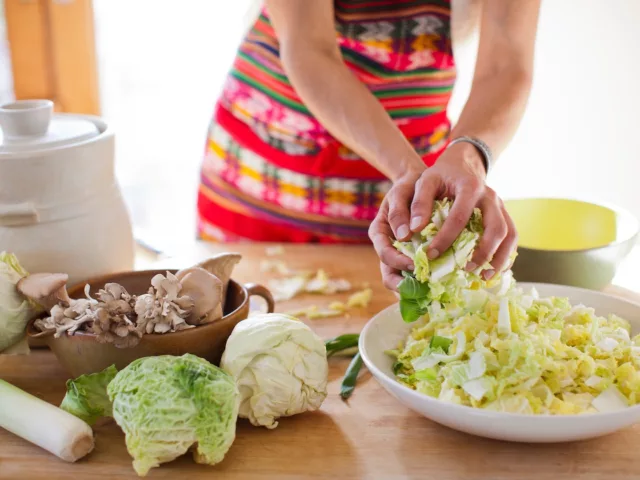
(522, 354)
(488, 344)
(436, 285)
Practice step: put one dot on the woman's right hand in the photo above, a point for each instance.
(406, 209)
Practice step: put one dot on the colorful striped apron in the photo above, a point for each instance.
(272, 172)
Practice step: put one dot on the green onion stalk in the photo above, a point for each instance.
(346, 345)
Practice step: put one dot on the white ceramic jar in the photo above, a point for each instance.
(61, 209)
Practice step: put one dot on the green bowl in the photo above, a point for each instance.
(570, 242)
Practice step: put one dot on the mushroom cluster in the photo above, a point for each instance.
(193, 296)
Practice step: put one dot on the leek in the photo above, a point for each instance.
(43, 424)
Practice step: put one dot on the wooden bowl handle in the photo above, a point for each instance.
(263, 292)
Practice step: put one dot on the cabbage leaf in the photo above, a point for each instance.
(15, 309)
(87, 397)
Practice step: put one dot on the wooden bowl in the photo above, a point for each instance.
(81, 353)
(570, 242)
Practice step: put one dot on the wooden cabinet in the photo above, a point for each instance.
(53, 52)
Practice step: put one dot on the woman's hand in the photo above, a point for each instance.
(458, 174)
(498, 97)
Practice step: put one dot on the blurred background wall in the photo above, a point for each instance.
(161, 65)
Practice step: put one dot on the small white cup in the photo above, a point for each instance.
(26, 118)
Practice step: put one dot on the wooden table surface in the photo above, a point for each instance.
(372, 436)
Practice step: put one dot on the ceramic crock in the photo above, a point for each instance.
(61, 209)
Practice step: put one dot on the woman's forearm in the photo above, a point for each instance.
(335, 96)
(354, 116)
(495, 108)
(503, 74)
(348, 110)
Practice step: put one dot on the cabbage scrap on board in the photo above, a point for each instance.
(15, 309)
(166, 406)
(443, 284)
(522, 354)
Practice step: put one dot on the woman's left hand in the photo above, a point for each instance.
(458, 174)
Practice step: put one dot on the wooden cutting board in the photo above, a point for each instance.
(372, 436)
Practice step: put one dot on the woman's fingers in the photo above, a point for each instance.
(390, 277)
(461, 211)
(392, 261)
(408, 207)
(389, 255)
(501, 260)
(423, 198)
(399, 198)
(380, 234)
(495, 232)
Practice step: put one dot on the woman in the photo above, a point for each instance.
(334, 115)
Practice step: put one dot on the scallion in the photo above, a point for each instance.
(342, 343)
(350, 378)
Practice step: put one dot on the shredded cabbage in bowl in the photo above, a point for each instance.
(487, 344)
(519, 353)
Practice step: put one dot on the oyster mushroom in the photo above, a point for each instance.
(105, 316)
(109, 316)
(206, 291)
(221, 266)
(46, 289)
(164, 308)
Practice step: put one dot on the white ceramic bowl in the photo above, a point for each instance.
(385, 330)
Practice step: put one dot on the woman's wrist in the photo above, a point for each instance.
(466, 156)
(409, 166)
(482, 148)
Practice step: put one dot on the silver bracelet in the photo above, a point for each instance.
(483, 148)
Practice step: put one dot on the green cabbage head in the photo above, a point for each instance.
(166, 405)
(15, 309)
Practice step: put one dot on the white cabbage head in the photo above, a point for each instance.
(280, 366)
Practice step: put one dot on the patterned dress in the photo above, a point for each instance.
(272, 172)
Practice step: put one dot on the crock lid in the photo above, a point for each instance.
(29, 125)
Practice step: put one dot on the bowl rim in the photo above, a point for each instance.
(622, 212)
(480, 412)
(101, 279)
